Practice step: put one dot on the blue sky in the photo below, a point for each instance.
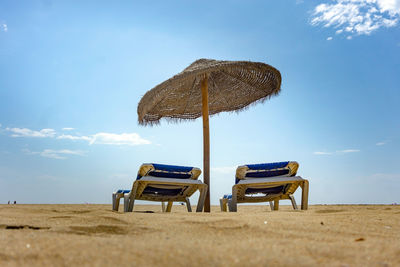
(73, 72)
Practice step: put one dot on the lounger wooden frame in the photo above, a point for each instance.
(139, 185)
(239, 189)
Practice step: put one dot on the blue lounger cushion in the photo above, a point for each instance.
(267, 191)
(227, 196)
(166, 171)
(266, 170)
(122, 191)
(162, 191)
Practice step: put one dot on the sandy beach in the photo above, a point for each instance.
(325, 235)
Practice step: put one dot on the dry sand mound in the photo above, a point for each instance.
(69, 235)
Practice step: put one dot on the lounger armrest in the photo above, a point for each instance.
(199, 185)
(170, 181)
(271, 181)
(275, 182)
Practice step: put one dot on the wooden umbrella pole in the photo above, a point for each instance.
(206, 140)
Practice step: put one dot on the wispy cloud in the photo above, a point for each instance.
(3, 27)
(25, 132)
(329, 38)
(382, 143)
(357, 17)
(348, 151)
(74, 137)
(68, 129)
(132, 139)
(55, 154)
(322, 153)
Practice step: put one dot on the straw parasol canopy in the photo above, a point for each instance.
(205, 88)
(232, 86)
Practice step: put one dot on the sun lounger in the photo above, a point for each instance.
(268, 182)
(163, 183)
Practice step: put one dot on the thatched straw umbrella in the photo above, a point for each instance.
(205, 88)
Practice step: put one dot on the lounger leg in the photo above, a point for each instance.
(222, 203)
(116, 197)
(169, 206)
(188, 206)
(304, 195)
(131, 200)
(233, 202)
(271, 204)
(163, 206)
(127, 203)
(293, 202)
(202, 198)
(115, 204)
(276, 204)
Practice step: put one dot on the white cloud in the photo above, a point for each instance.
(329, 38)
(322, 153)
(3, 27)
(391, 6)
(131, 139)
(224, 170)
(381, 143)
(25, 132)
(55, 154)
(60, 154)
(68, 129)
(357, 17)
(74, 137)
(348, 151)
